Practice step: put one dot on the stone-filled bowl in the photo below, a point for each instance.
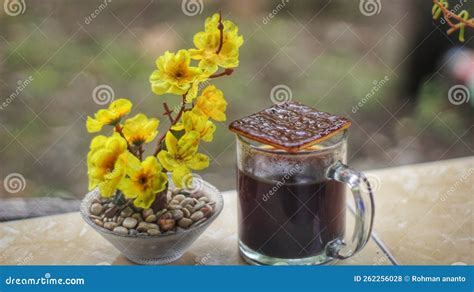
(156, 249)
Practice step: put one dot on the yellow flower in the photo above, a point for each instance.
(143, 181)
(181, 156)
(105, 162)
(110, 116)
(174, 74)
(199, 123)
(211, 103)
(140, 129)
(207, 44)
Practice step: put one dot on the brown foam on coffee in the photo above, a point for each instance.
(290, 126)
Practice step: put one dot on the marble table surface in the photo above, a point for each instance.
(423, 216)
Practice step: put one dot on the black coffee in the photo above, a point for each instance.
(290, 217)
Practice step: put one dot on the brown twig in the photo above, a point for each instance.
(173, 122)
(220, 27)
(168, 111)
(447, 14)
(140, 152)
(227, 71)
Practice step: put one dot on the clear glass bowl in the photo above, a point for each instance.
(159, 249)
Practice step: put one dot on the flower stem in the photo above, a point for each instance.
(168, 111)
(173, 122)
(227, 71)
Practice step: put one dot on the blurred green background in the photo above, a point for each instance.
(328, 53)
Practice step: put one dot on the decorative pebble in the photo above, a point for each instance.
(167, 215)
(127, 212)
(151, 218)
(153, 231)
(198, 206)
(207, 211)
(121, 230)
(174, 202)
(144, 226)
(138, 217)
(130, 222)
(110, 225)
(196, 216)
(120, 220)
(96, 209)
(179, 198)
(185, 222)
(133, 232)
(204, 199)
(147, 212)
(95, 217)
(110, 212)
(166, 224)
(175, 207)
(187, 201)
(190, 208)
(177, 214)
(186, 212)
(98, 222)
(161, 212)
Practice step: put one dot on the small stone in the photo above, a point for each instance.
(190, 208)
(204, 199)
(197, 195)
(142, 234)
(173, 202)
(153, 231)
(161, 212)
(96, 209)
(151, 218)
(127, 212)
(110, 225)
(110, 212)
(186, 212)
(185, 222)
(207, 211)
(147, 212)
(200, 221)
(120, 220)
(144, 226)
(94, 217)
(130, 222)
(137, 216)
(121, 230)
(175, 207)
(183, 192)
(167, 215)
(179, 198)
(133, 232)
(177, 214)
(196, 216)
(187, 201)
(98, 222)
(166, 224)
(198, 206)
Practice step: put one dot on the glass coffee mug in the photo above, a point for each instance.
(292, 206)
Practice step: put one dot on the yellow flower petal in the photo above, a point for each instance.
(198, 161)
(179, 176)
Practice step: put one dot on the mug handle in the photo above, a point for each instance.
(364, 210)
